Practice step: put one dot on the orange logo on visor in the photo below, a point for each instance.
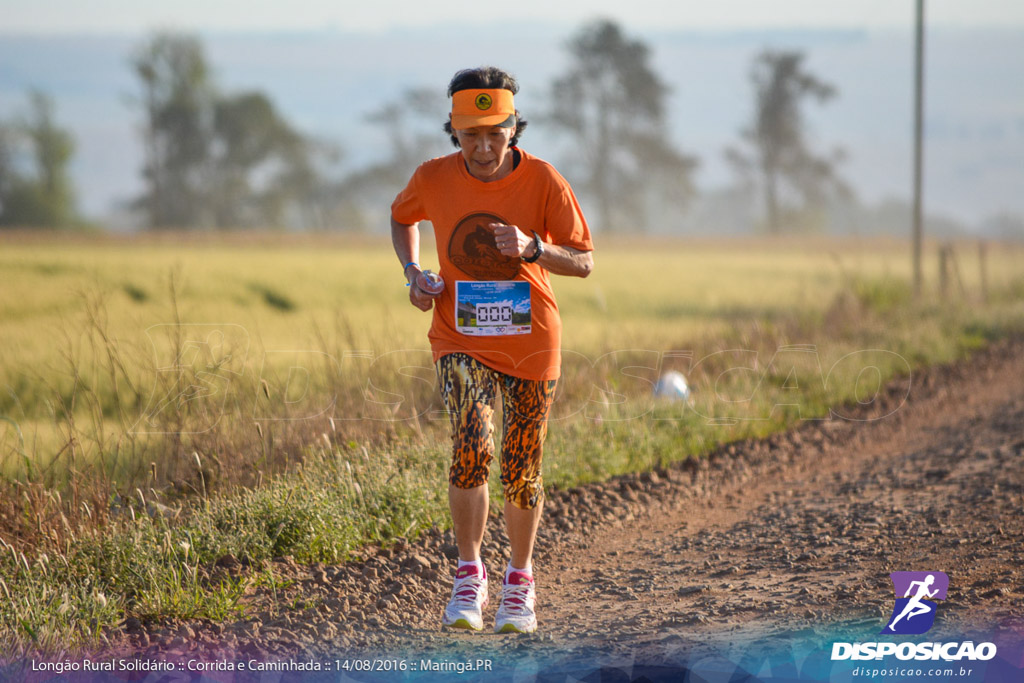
(482, 107)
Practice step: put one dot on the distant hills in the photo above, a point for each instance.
(327, 82)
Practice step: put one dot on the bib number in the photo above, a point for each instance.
(487, 309)
(493, 314)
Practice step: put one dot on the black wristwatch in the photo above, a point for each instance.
(538, 249)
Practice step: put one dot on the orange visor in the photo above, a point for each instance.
(471, 108)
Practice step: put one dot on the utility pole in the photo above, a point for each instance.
(918, 148)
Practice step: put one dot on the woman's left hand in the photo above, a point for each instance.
(510, 240)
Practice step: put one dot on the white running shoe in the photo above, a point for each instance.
(516, 613)
(469, 597)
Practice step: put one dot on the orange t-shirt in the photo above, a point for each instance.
(497, 309)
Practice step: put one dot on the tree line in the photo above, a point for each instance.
(35, 189)
(220, 160)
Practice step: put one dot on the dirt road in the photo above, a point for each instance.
(796, 534)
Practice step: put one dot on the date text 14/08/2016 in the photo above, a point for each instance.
(457, 667)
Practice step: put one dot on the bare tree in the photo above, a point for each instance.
(775, 157)
(177, 97)
(412, 126)
(612, 103)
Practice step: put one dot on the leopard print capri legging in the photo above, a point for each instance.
(469, 389)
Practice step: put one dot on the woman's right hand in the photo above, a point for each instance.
(419, 297)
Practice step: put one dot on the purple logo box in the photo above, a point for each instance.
(901, 583)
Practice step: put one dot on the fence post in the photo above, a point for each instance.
(983, 267)
(943, 270)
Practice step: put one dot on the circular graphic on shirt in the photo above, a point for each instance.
(472, 249)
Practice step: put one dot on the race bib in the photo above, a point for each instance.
(487, 309)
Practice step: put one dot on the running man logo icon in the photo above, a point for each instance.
(914, 611)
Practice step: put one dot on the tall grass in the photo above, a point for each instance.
(158, 559)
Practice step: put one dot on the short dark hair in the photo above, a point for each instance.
(485, 77)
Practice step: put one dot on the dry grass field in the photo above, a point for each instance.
(273, 395)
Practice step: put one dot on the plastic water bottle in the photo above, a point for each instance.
(430, 282)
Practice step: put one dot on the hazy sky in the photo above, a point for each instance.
(132, 16)
(361, 50)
